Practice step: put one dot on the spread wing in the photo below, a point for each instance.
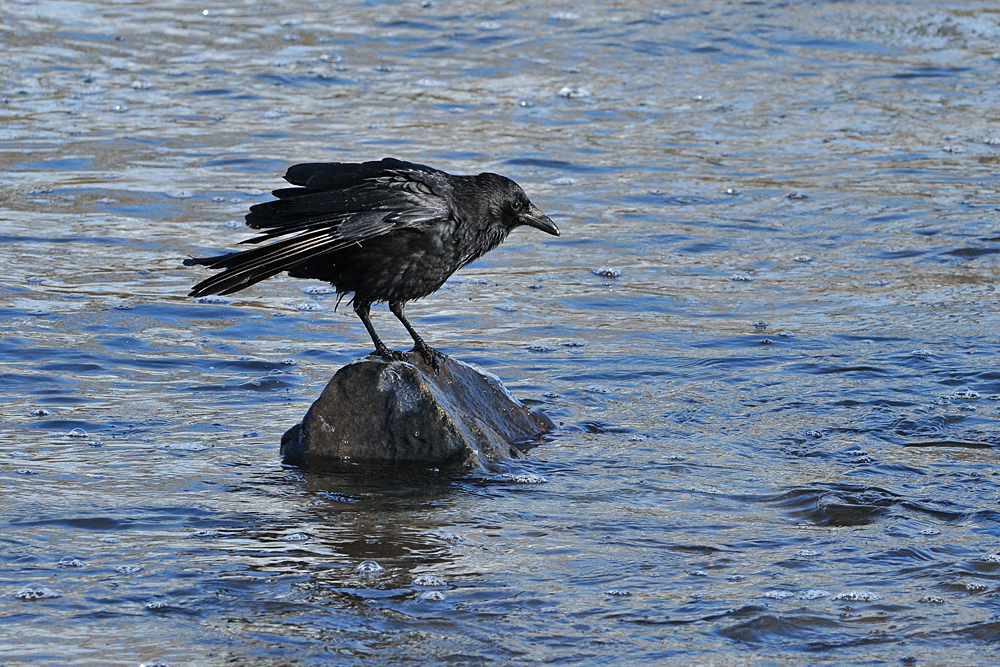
(337, 205)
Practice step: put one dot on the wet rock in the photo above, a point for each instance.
(404, 412)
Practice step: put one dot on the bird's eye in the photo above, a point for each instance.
(516, 205)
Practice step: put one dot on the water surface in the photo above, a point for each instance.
(768, 335)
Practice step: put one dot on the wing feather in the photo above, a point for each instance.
(339, 206)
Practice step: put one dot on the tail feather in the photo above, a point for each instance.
(252, 266)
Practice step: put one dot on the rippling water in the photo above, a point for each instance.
(768, 335)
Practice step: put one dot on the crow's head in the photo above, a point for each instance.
(509, 204)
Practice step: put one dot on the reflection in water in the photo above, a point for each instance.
(768, 336)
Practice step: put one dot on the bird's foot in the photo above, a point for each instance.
(430, 355)
(389, 355)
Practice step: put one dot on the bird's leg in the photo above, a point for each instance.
(380, 348)
(432, 356)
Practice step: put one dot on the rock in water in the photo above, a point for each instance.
(381, 411)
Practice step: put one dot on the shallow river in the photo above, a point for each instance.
(768, 335)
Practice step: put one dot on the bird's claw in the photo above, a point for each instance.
(390, 355)
(431, 356)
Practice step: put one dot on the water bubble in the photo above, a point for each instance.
(573, 343)
(618, 592)
(431, 596)
(34, 280)
(431, 83)
(802, 259)
(786, 334)
(183, 447)
(489, 25)
(525, 479)
(157, 605)
(233, 224)
(732, 192)
(309, 307)
(858, 596)
(24, 471)
(921, 352)
(370, 568)
(698, 573)
(289, 362)
(19, 454)
(607, 272)
(319, 289)
(966, 394)
(428, 580)
(806, 553)
(573, 92)
(204, 533)
(216, 299)
(180, 194)
(295, 537)
(777, 595)
(813, 594)
(930, 531)
(798, 195)
(539, 347)
(119, 108)
(877, 283)
(129, 569)
(760, 324)
(506, 307)
(564, 180)
(40, 412)
(597, 389)
(992, 141)
(991, 558)
(931, 599)
(976, 587)
(77, 433)
(741, 278)
(142, 84)
(39, 312)
(69, 561)
(564, 16)
(37, 593)
(953, 149)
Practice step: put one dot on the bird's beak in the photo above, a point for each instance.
(539, 220)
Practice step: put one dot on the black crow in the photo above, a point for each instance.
(385, 231)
